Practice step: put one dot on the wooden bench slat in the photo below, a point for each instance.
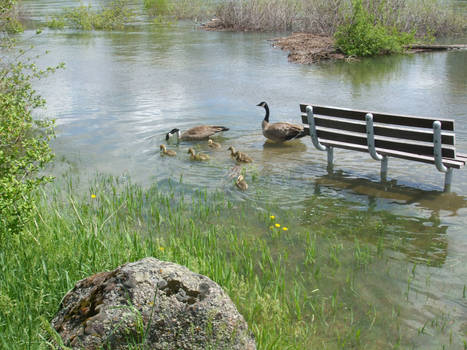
(447, 138)
(396, 119)
(407, 146)
(451, 163)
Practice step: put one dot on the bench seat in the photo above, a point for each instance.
(426, 140)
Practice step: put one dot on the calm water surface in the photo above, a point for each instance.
(122, 91)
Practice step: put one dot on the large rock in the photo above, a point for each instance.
(152, 304)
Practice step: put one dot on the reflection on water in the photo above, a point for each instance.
(122, 91)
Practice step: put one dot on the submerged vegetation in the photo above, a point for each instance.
(297, 288)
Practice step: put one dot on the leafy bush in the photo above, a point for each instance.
(114, 16)
(24, 144)
(365, 36)
(9, 22)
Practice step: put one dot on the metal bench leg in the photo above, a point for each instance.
(370, 136)
(438, 154)
(330, 153)
(448, 180)
(384, 169)
(315, 140)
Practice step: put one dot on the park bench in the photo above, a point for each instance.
(427, 140)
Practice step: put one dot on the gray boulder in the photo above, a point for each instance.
(150, 304)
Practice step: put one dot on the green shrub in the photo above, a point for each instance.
(365, 36)
(24, 144)
(113, 16)
(9, 22)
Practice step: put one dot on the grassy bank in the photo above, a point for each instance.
(298, 289)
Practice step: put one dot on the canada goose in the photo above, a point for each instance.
(197, 156)
(279, 132)
(167, 152)
(241, 183)
(197, 133)
(213, 144)
(239, 156)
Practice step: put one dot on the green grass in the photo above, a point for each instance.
(298, 289)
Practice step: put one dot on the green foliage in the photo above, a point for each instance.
(365, 36)
(114, 16)
(24, 143)
(179, 9)
(9, 22)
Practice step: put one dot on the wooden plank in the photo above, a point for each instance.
(413, 147)
(451, 163)
(396, 119)
(447, 138)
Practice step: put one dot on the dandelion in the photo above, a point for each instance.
(285, 228)
(161, 249)
(277, 225)
(93, 196)
(272, 217)
(271, 227)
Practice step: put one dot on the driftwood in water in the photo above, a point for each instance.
(435, 47)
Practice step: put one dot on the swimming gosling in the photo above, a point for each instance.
(197, 156)
(197, 133)
(239, 156)
(169, 152)
(281, 131)
(241, 183)
(213, 144)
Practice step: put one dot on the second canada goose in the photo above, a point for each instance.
(197, 156)
(239, 156)
(167, 152)
(213, 144)
(197, 133)
(241, 183)
(282, 131)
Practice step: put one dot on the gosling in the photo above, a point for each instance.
(213, 144)
(241, 183)
(197, 156)
(239, 156)
(169, 152)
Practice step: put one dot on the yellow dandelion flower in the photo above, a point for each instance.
(161, 249)
(271, 227)
(277, 225)
(272, 217)
(93, 196)
(285, 228)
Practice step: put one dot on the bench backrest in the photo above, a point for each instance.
(399, 133)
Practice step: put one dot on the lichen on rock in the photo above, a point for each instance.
(150, 304)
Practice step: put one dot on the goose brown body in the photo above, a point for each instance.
(197, 133)
(281, 131)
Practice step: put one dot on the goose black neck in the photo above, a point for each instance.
(266, 117)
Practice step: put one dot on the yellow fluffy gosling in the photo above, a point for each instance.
(197, 156)
(213, 144)
(241, 183)
(169, 152)
(239, 156)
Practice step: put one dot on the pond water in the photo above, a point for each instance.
(122, 91)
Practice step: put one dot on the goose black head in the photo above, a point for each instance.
(262, 104)
(170, 133)
(265, 105)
